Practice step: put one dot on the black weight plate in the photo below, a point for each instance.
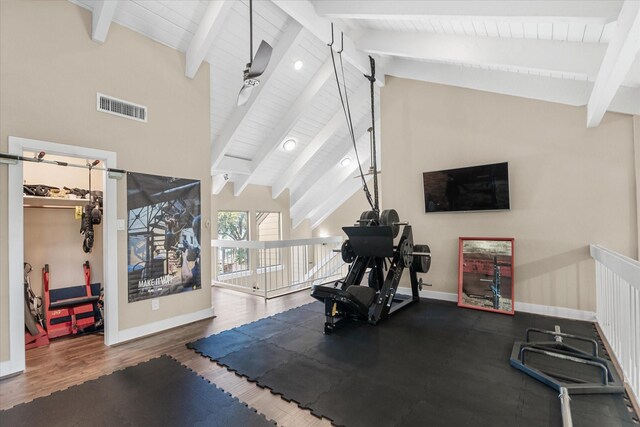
(368, 218)
(421, 264)
(390, 217)
(406, 249)
(346, 250)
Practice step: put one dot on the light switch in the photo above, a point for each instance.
(155, 304)
(120, 225)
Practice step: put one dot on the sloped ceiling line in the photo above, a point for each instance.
(306, 156)
(620, 56)
(289, 41)
(304, 12)
(304, 202)
(209, 27)
(102, 14)
(287, 123)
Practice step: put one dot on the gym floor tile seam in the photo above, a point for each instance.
(112, 407)
(496, 330)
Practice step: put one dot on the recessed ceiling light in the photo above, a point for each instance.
(298, 64)
(345, 162)
(289, 144)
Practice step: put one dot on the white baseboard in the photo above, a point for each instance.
(442, 296)
(438, 295)
(163, 325)
(7, 369)
(545, 310)
(548, 310)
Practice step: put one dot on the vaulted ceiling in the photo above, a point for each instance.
(571, 52)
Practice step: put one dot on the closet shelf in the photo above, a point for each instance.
(52, 202)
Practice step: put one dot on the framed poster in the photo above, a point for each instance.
(163, 235)
(485, 274)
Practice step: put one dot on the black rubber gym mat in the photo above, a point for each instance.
(431, 364)
(160, 392)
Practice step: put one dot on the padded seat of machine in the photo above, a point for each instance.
(73, 302)
(345, 298)
(364, 294)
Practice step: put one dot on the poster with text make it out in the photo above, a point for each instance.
(163, 235)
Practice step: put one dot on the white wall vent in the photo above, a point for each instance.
(119, 107)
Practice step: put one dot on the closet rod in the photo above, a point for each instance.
(52, 206)
(12, 159)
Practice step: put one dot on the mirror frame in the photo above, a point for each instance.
(508, 261)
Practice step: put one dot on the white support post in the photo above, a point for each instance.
(232, 165)
(595, 12)
(548, 56)
(304, 12)
(621, 52)
(102, 15)
(209, 27)
(563, 91)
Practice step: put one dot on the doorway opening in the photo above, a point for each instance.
(36, 223)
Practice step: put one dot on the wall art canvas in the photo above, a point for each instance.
(163, 244)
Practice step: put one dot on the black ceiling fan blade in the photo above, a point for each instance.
(245, 94)
(260, 60)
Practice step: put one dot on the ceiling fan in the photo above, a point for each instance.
(257, 64)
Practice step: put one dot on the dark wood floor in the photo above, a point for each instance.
(71, 361)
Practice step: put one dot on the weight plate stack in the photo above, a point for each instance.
(391, 218)
(368, 218)
(422, 264)
(348, 255)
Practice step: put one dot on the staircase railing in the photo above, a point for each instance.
(618, 309)
(274, 268)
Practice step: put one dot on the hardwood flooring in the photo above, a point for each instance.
(70, 361)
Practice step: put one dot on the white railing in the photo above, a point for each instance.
(618, 309)
(276, 268)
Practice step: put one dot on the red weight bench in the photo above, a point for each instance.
(69, 310)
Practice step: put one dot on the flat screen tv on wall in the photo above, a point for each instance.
(475, 188)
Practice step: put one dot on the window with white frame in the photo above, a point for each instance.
(233, 225)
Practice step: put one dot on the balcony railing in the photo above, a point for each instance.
(618, 309)
(275, 268)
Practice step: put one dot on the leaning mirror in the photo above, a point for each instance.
(485, 274)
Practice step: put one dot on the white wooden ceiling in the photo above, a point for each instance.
(572, 52)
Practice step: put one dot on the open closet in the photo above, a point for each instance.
(63, 249)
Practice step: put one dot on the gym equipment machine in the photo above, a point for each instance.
(570, 372)
(70, 310)
(370, 243)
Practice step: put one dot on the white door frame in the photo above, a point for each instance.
(17, 146)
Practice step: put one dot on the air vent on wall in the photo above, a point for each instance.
(119, 107)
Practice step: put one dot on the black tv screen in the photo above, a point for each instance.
(475, 188)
